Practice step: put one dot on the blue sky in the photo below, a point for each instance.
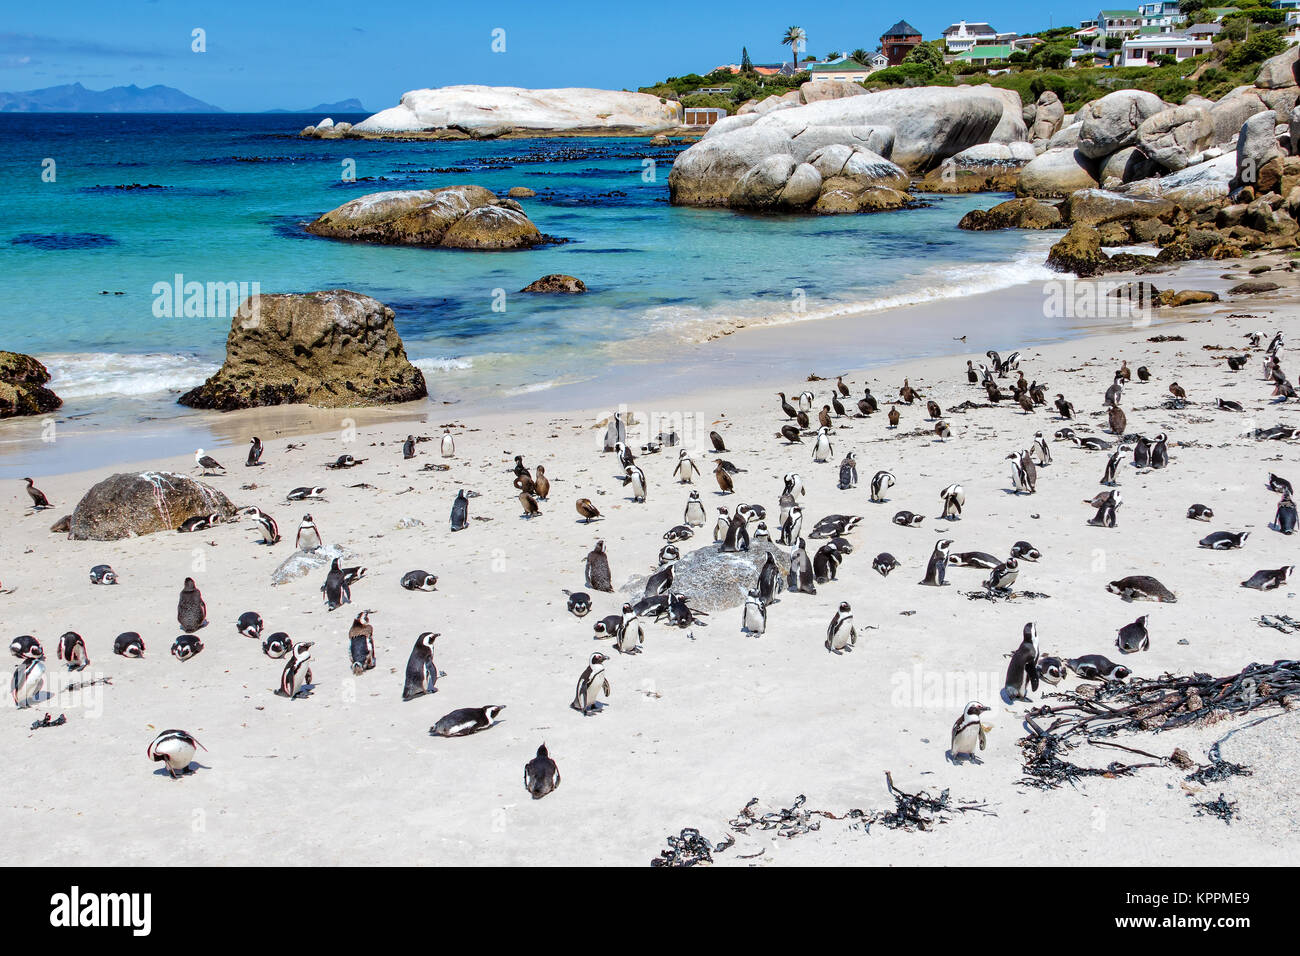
(264, 54)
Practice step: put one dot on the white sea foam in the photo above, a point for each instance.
(91, 374)
(433, 365)
(700, 324)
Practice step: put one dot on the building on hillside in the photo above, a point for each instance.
(984, 55)
(1159, 13)
(1143, 50)
(963, 36)
(1204, 31)
(1027, 44)
(844, 69)
(702, 115)
(1118, 23)
(898, 41)
(1285, 4)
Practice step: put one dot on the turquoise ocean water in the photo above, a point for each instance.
(237, 189)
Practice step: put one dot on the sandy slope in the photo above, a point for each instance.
(704, 719)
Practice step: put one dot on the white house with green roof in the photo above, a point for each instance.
(984, 55)
(845, 69)
(1118, 23)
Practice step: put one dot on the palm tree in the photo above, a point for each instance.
(861, 55)
(795, 38)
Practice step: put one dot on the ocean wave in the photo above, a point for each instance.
(706, 323)
(430, 365)
(87, 375)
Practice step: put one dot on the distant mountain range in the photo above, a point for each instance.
(75, 98)
(342, 106)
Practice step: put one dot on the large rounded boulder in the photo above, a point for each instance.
(1176, 137)
(454, 217)
(762, 163)
(1112, 122)
(332, 349)
(23, 388)
(129, 504)
(1057, 172)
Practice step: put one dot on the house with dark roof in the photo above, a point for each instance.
(898, 41)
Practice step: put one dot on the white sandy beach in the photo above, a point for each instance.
(705, 718)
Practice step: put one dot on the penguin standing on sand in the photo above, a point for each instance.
(541, 775)
(1160, 451)
(1022, 672)
(1285, 518)
(1041, 450)
(630, 635)
(636, 478)
(936, 570)
(361, 643)
(408, 447)
(1106, 510)
(754, 618)
(881, 482)
(822, 448)
(1003, 576)
(1142, 453)
(769, 581)
(792, 526)
(1112, 467)
(460, 511)
(826, 562)
(721, 525)
(448, 446)
(848, 472)
(308, 537)
(421, 672)
(615, 432)
(191, 611)
(296, 675)
(954, 497)
(591, 685)
(969, 732)
(254, 453)
(336, 590)
(597, 569)
(27, 682)
(268, 532)
(686, 469)
(175, 750)
(841, 635)
(72, 651)
(801, 574)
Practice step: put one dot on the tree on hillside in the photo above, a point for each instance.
(861, 55)
(927, 55)
(796, 39)
(746, 64)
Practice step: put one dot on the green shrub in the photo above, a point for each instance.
(1255, 50)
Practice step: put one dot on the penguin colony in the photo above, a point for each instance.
(710, 502)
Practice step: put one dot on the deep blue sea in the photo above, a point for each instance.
(80, 257)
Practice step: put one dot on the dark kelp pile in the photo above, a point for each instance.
(1153, 705)
(919, 811)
